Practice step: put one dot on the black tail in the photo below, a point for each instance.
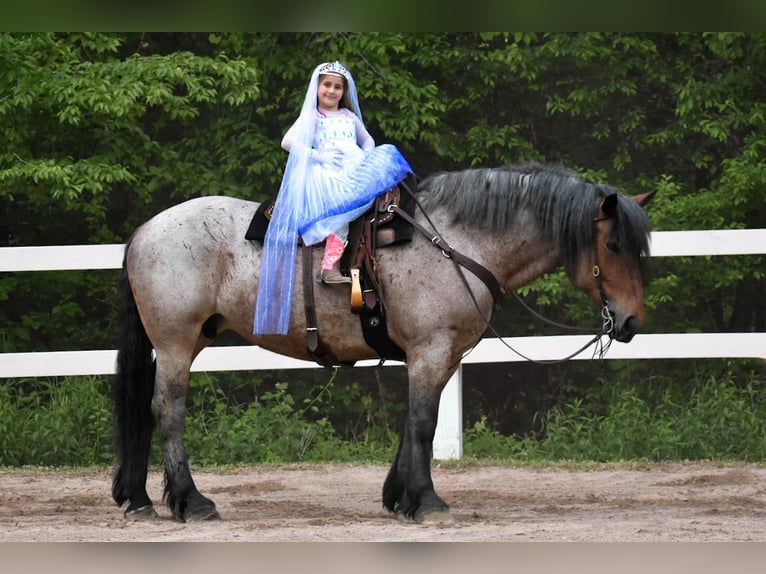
(132, 394)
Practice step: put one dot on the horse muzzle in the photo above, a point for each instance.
(619, 325)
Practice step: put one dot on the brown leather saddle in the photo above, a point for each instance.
(377, 228)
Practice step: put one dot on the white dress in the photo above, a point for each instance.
(333, 196)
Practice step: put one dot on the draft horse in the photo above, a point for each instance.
(189, 274)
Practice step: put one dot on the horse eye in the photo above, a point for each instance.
(613, 245)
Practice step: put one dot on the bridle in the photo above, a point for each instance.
(607, 326)
(607, 320)
(497, 292)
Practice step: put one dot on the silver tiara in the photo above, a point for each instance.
(334, 68)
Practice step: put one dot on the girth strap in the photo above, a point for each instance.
(477, 269)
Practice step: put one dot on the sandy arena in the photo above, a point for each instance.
(697, 502)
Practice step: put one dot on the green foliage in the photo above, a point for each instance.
(480, 441)
(275, 427)
(717, 420)
(87, 117)
(269, 430)
(68, 422)
(45, 311)
(63, 422)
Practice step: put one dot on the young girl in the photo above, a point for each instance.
(334, 172)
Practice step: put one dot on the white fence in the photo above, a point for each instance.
(448, 441)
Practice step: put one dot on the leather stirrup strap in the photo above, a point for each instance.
(316, 347)
(312, 333)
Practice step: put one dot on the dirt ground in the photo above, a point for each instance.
(697, 502)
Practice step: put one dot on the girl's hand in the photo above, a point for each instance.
(332, 158)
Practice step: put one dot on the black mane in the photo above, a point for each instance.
(558, 200)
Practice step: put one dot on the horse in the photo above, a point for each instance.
(188, 274)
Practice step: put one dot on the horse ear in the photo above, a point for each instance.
(608, 206)
(644, 198)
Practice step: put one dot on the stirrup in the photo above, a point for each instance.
(356, 290)
(336, 278)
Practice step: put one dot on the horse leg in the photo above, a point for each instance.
(409, 488)
(169, 408)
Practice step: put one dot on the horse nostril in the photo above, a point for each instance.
(627, 330)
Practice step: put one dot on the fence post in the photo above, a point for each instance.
(448, 440)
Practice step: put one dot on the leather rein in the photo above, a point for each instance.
(498, 293)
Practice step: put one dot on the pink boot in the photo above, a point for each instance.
(333, 251)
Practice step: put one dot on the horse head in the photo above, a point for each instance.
(611, 273)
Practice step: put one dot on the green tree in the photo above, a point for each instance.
(100, 131)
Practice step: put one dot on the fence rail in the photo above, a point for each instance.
(109, 256)
(448, 440)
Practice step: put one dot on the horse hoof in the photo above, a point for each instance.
(438, 517)
(402, 517)
(146, 512)
(203, 515)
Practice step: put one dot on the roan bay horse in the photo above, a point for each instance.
(189, 274)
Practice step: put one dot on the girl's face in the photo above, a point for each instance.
(330, 92)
